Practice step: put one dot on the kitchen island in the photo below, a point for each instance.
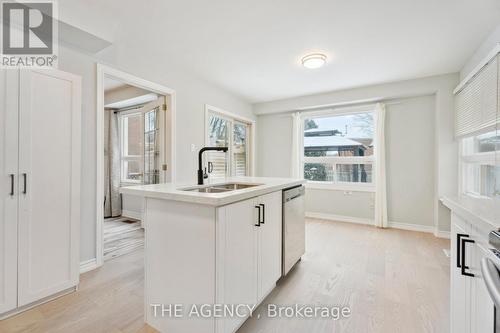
(472, 220)
(212, 253)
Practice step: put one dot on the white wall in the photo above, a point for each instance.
(426, 104)
(274, 145)
(192, 94)
(482, 51)
(132, 206)
(410, 160)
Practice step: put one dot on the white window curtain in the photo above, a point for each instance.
(296, 158)
(380, 177)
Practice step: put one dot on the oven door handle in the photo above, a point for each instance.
(491, 279)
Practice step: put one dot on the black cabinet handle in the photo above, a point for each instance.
(459, 258)
(25, 186)
(263, 213)
(11, 184)
(464, 267)
(258, 219)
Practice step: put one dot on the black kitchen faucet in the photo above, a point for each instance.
(200, 155)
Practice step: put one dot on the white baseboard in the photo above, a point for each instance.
(412, 227)
(132, 214)
(366, 221)
(30, 306)
(442, 234)
(339, 218)
(88, 265)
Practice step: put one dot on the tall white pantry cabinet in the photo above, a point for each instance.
(40, 142)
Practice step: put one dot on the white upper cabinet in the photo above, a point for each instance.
(8, 186)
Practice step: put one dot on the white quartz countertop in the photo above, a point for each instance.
(485, 212)
(174, 192)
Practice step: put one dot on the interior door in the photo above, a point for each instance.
(237, 255)
(269, 243)
(9, 196)
(49, 184)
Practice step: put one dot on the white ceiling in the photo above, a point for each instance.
(253, 48)
(112, 84)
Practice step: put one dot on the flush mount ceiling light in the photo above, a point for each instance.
(314, 60)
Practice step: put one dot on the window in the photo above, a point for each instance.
(140, 146)
(239, 151)
(479, 168)
(338, 149)
(225, 130)
(131, 147)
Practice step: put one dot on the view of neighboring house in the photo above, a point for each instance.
(325, 141)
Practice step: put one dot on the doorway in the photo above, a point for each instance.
(136, 138)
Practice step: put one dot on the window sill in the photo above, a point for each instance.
(476, 196)
(130, 183)
(340, 187)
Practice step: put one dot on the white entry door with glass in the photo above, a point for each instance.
(142, 151)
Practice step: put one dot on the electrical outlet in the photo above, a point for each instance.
(193, 147)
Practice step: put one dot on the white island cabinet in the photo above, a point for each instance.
(210, 254)
(472, 309)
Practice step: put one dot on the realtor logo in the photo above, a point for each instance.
(28, 34)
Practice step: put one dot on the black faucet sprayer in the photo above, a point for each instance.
(200, 155)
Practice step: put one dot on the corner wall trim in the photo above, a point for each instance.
(88, 265)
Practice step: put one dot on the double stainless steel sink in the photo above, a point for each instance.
(219, 188)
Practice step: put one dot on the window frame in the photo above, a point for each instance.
(233, 118)
(464, 159)
(334, 160)
(124, 143)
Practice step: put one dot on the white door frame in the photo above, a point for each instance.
(233, 116)
(103, 72)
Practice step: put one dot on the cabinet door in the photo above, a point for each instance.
(269, 255)
(459, 283)
(8, 196)
(49, 183)
(236, 259)
(482, 306)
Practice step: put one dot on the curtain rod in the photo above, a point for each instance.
(390, 101)
(128, 109)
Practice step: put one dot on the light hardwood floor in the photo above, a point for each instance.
(122, 235)
(393, 281)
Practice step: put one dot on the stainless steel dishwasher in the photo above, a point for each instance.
(294, 228)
